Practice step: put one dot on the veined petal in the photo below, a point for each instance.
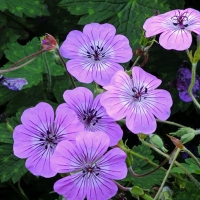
(176, 39)
(92, 145)
(144, 79)
(79, 99)
(66, 158)
(100, 188)
(38, 119)
(67, 124)
(139, 120)
(82, 70)
(103, 71)
(158, 103)
(40, 164)
(73, 187)
(113, 165)
(75, 45)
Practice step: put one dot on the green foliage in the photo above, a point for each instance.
(141, 167)
(127, 16)
(190, 165)
(11, 167)
(30, 8)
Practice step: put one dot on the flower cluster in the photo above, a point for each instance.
(75, 140)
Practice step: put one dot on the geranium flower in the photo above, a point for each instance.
(95, 53)
(175, 27)
(137, 99)
(92, 169)
(13, 83)
(182, 84)
(38, 135)
(91, 113)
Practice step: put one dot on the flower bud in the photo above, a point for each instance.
(9, 127)
(187, 137)
(182, 131)
(136, 191)
(49, 43)
(157, 141)
(166, 194)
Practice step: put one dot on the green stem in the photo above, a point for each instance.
(171, 123)
(64, 65)
(167, 174)
(17, 191)
(18, 67)
(176, 163)
(191, 155)
(48, 73)
(21, 190)
(137, 59)
(194, 65)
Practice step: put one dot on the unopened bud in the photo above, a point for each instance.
(49, 43)
(187, 137)
(157, 141)
(166, 194)
(9, 127)
(182, 131)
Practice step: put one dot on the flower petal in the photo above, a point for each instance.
(158, 103)
(176, 39)
(100, 188)
(144, 79)
(72, 187)
(75, 45)
(113, 165)
(92, 145)
(82, 70)
(139, 120)
(103, 71)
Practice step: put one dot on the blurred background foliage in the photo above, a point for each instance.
(22, 24)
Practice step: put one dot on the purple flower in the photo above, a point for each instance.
(91, 113)
(92, 169)
(95, 53)
(38, 135)
(175, 27)
(182, 83)
(13, 83)
(137, 99)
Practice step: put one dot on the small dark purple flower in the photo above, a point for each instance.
(182, 83)
(13, 83)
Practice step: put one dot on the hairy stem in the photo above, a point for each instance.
(167, 174)
(191, 155)
(171, 123)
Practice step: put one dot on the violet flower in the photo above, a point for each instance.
(175, 27)
(91, 113)
(182, 84)
(137, 99)
(92, 169)
(13, 83)
(95, 53)
(38, 135)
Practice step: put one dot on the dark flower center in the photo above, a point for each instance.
(48, 140)
(91, 170)
(181, 21)
(90, 117)
(138, 93)
(96, 53)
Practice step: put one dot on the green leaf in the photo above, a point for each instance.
(190, 166)
(176, 4)
(34, 70)
(127, 16)
(140, 166)
(30, 8)
(11, 167)
(5, 135)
